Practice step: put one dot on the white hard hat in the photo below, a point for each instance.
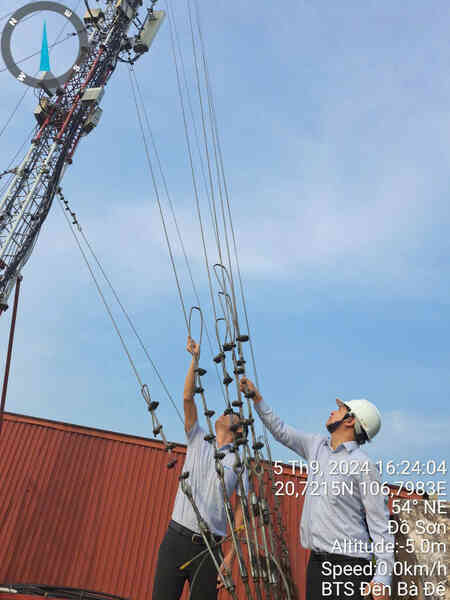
(367, 415)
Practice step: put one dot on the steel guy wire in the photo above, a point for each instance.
(227, 196)
(188, 143)
(216, 142)
(172, 209)
(155, 186)
(205, 136)
(211, 124)
(209, 169)
(130, 322)
(151, 405)
(207, 189)
(184, 116)
(102, 296)
(191, 110)
(185, 483)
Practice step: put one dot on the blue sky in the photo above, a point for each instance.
(334, 120)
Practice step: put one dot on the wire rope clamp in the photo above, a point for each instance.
(171, 464)
(209, 437)
(209, 413)
(242, 338)
(200, 372)
(153, 405)
(227, 380)
(219, 358)
(228, 346)
(199, 390)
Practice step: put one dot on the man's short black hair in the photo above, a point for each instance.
(361, 437)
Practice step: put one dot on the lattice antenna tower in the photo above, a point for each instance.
(66, 113)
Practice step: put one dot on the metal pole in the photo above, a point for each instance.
(10, 345)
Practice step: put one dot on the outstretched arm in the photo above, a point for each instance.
(190, 409)
(296, 440)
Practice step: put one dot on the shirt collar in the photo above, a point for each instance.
(349, 446)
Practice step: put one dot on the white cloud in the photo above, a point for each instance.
(414, 432)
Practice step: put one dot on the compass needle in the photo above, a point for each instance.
(45, 59)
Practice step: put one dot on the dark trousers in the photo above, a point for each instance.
(321, 585)
(175, 550)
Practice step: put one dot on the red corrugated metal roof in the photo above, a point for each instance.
(87, 508)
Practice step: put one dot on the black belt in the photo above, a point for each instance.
(196, 538)
(329, 556)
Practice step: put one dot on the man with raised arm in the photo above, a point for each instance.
(345, 516)
(183, 540)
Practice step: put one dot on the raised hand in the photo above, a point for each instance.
(248, 386)
(192, 347)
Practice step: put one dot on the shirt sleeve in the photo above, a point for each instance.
(296, 440)
(194, 435)
(377, 517)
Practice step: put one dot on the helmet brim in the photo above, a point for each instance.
(340, 403)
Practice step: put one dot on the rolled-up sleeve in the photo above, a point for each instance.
(298, 441)
(377, 517)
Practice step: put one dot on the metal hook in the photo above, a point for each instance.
(229, 302)
(201, 325)
(226, 334)
(224, 271)
(225, 309)
(230, 285)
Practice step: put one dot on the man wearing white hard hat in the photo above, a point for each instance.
(345, 519)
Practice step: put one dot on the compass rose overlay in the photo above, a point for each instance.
(16, 18)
